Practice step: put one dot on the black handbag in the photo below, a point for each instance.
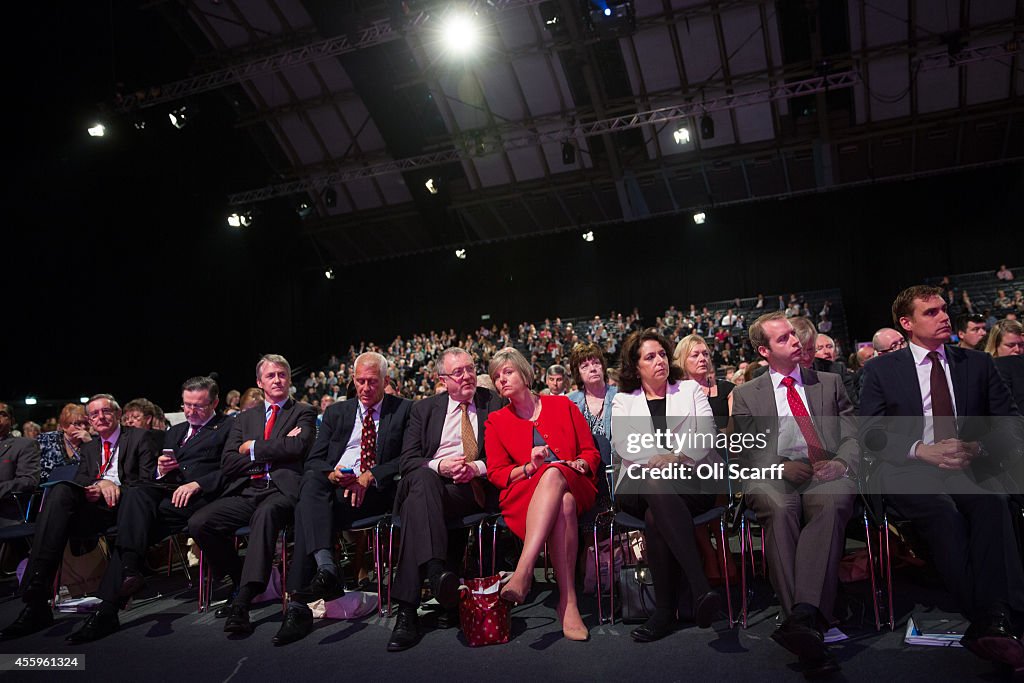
(636, 593)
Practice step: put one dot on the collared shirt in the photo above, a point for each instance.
(192, 429)
(923, 365)
(351, 456)
(115, 445)
(792, 444)
(451, 436)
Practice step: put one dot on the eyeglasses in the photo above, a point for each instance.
(895, 346)
(459, 373)
(103, 411)
(195, 406)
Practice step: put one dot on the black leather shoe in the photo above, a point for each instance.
(225, 609)
(406, 632)
(298, 622)
(802, 640)
(238, 620)
(995, 641)
(33, 618)
(446, 590)
(131, 583)
(448, 619)
(651, 630)
(98, 625)
(707, 609)
(324, 586)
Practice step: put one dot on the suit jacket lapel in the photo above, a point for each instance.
(815, 393)
(435, 426)
(908, 370)
(382, 426)
(282, 418)
(766, 397)
(958, 375)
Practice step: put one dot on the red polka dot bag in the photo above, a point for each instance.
(486, 618)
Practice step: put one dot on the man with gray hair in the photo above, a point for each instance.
(555, 379)
(349, 476)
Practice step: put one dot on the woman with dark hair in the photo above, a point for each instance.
(654, 396)
(541, 457)
(594, 398)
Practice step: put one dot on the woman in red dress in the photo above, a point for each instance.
(541, 456)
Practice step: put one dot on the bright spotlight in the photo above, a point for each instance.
(588, 236)
(699, 218)
(240, 220)
(178, 117)
(329, 273)
(432, 188)
(607, 11)
(83, 399)
(30, 401)
(460, 254)
(461, 33)
(97, 130)
(682, 135)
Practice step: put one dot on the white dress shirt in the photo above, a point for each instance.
(115, 445)
(792, 444)
(350, 458)
(923, 365)
(451, 437)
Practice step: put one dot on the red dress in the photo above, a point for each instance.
(508, 440)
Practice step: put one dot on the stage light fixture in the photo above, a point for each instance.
(707, 127)
(588, 236)
(682, 135)
(304, 209)
(97, 130)
(460, 254)
(460, 32)
(431, 186)
(178, 117)
(329, 273)
(83, 399)
(700, 217)
(568, 153)
(240, 220)
(30, 401)
(614, 19)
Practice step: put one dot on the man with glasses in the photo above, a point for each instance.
(971, 330)
(349, 476)
(118, 459)
(19, 468)
(187, 476)
(887, 340)
(444, 477)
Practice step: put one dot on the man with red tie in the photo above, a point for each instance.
(349, 476)
(805, 418)
(118, 459)
(262, 463)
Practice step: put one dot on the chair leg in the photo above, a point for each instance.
(284, 571)
(390, 566)
(871, 569)
(744, 536)
(888, 570)
(597, 573)
(764, 556)
(494, 547)
(202, 583)
(174, 545)
(724, 552)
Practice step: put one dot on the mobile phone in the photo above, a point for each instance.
(346, 470)
(169, 452)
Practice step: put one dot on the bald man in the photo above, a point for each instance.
(887, 340)
(865, 353)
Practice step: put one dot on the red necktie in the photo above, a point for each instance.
(803, 419)
(267, 429)
(368, 442)
(193, 430)
(107, 454)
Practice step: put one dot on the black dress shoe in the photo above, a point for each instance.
(131, 583)
(238, 620)
(707, 609)
(406, 632)
(33, 618)
(804, 641)
(225, 609)
(324, 586)
(98, 625)
(298, 622)
(651, 630)
(448, 619)
(995, 641)
(446, 590)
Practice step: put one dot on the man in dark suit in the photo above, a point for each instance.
(349, 476)
(19, 468)
(444, 477)
(937, 453)
(187, 477)
(117, 460)
(805, 418)
(262, 467)
(1011, 369)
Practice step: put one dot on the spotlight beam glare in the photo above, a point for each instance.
(460, 32)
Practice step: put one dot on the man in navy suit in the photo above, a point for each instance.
(262, 464)
(349, 476)
(444, 477)
(187, 477)
(940, 452)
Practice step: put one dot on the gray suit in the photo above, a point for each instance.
(805, 528)
(19, 471)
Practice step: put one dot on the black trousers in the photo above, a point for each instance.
(145, 515)
(672, 550)
(970, 534)
(65, 513)
(323, 509)
(427, 504)
(266, 511)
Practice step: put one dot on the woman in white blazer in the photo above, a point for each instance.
(652, 396)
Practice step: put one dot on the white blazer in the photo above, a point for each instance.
(687, 411)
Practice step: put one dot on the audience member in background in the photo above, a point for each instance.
(654, 391)
(808, 336)
(444, 478)
(886, 340)
(231, 402)
(349, 475)
(61, 446)
(541, 456)
(555, 379)
(825, 348)
(865, 353)
(19, 468)
(1005, 339)
(118, 458)
(188, 476)
(802, 413)
(252, 397)
(31, 430)
(138, 413)
(1002, 301)
(1004, 273)
(970, 328)
(594, 399)
(694, 359)
(159, 419)
(262, 468)
(931, 466)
